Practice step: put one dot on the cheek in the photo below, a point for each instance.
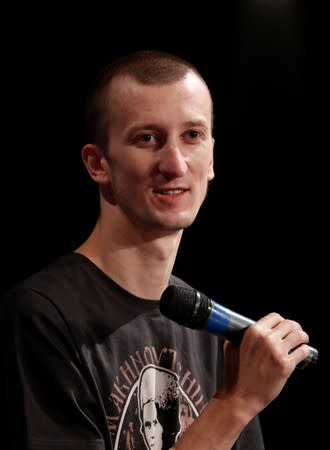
(127, 180)
(127, 172)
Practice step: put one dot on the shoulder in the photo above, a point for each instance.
(61, 279)
(64, 271)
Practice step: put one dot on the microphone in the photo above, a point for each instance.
(194, 309)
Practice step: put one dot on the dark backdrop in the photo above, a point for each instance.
(259, 243)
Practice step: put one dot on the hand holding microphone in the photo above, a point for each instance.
(195, 310)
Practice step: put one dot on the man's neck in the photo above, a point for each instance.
(141, 266)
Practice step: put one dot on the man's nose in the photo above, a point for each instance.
(171, 159)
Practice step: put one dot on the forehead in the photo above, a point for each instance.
(188, 96)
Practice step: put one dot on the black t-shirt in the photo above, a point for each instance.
(87, 366)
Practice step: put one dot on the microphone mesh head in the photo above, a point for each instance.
(185, 306)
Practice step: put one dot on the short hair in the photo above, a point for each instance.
(146, 66)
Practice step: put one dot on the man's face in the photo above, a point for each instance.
(153, 430)
(160, 151)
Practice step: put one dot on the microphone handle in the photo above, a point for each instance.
(233, 325)
(223, 321)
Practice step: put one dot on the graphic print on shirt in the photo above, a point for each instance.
(158, 407)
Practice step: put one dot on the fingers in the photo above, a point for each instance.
(279, 328)
(284, 336)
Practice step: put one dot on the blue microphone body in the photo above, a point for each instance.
(193, 309)
(224, 321)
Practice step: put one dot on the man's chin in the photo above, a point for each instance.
(179, 223)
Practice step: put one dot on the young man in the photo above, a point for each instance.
(79, 336)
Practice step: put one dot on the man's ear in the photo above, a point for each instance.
(95, 163)
(211, 174)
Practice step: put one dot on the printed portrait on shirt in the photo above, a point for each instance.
(156, 413)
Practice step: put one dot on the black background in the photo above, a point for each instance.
(260, 241)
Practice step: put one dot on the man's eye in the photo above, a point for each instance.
(146, 137)
(193, 134)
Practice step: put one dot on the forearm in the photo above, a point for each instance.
(217, 428)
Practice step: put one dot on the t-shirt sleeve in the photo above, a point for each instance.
(47, 402)
(251, 437)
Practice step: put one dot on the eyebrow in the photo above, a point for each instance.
(196, 123)
(153, 126)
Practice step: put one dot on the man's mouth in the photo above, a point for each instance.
(176, 191)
